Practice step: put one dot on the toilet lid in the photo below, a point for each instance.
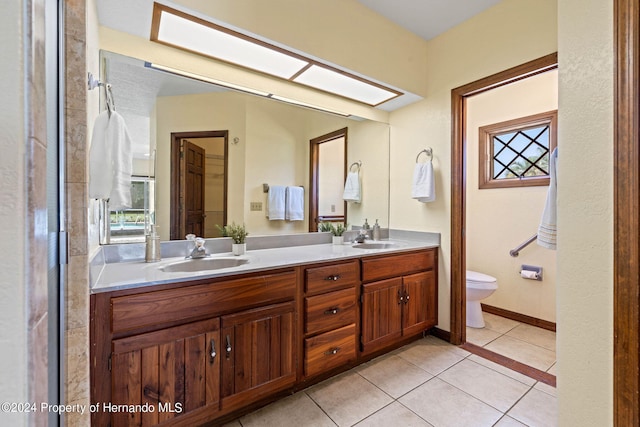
(474, 276)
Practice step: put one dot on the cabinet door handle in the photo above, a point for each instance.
(332, 311)
(333, 277)
(332, 351)
(228, 346)
(406, 297)
(400, 297)
(213, 353)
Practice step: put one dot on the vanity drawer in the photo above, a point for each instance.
(331, 310)
(330, 350)
(330, 277)
(159, 308)
(397, 265)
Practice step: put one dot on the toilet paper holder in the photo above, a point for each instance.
(531, 272)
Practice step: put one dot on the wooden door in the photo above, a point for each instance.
(381, 314)
(193, 165)
(175, 371)
(419, 307)
(258, 355)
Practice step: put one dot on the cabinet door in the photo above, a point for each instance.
(381, 314)
(419, 303)
(170, 373)
(258, 354)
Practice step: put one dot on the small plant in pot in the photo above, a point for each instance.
(337, 230)
(238, 234)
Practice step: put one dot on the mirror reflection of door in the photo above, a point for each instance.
(198, 183)
(328, 167)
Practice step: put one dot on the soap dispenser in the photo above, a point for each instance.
(365, 226)
(376, 231)
(152, 250)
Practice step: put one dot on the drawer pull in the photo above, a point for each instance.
(213, 351)
(332, 351)
(228, 346)
(332, 311)
(333, 277)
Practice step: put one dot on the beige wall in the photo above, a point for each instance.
(585, 213)
(509, 34)
(500, 219)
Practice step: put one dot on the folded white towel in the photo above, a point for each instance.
(548, 228)
(352, 191)
(276, 202)
(111, 161)
(294, 210)
(423, 187)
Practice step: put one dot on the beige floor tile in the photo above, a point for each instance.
(503, 370)
(348, 398)
(393, 415)
(552, 370)
(534, 335)
(394, 375)
(432, 354)
(442, 404)
(507, 421)
(481, 336)
(485, 384)
(499, 324)
(536, 408)
(529, 354)
(297, 410)
(546, 388)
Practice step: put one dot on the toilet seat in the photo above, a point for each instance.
(475, 277)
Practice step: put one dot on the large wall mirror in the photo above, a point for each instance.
(254, 141)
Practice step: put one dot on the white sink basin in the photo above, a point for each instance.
(202, 264)
(374, 245)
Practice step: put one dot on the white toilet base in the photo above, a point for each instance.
(474, 315)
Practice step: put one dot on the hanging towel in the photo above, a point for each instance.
(294, 210)
(548, 225)
(110, 161)
(352, 188)
(423, 188)
(276, 201)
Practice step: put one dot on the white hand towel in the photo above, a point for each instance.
(423, 188)
(110, 161)
(276, 201)
(352, 188)
(548, 228)
(294, 210)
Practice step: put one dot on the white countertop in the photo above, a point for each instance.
(128, 275)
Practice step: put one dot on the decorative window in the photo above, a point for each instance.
(516, 153)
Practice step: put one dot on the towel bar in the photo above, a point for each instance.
(265, 187)
(427, 151)
(516, 251)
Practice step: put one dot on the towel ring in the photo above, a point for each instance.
(427, 151)
(357, 164)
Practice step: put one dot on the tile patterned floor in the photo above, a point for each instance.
(426, 383)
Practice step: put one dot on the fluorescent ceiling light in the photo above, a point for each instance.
(332, 81)
(183, 31)
(305, 104)
(209, 40)
(205, 79)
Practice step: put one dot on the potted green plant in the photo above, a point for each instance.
(337, 230)
(238, 234)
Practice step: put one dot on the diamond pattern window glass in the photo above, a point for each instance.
(516, 153)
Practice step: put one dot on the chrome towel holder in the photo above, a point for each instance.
(427, 151)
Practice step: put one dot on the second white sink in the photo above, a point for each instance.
(203, 264)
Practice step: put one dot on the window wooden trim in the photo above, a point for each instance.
(485, 137)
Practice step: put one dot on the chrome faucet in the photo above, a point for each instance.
(361, 237)
(199, 251)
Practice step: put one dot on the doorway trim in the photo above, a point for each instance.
(458, 178)
(626, 249)
(314, 157)
(174, 211)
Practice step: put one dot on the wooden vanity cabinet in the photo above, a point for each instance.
(330, 316)
(400, 305)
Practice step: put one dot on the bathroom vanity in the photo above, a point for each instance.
(203, 348)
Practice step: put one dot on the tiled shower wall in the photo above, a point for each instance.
(76, 375)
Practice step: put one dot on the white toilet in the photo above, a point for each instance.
(479, 287)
